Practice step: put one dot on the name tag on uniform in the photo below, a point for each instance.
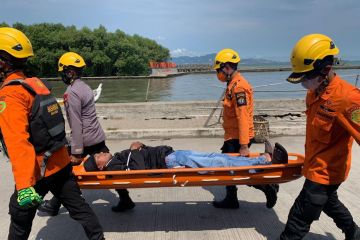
(240, 99)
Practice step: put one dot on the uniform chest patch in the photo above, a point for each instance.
(240, 99)
(326, 112)
(2, 106)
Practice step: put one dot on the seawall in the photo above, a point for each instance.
(192, 118)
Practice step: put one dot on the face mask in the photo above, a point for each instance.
(311, 84)
(67, 76)
(66, 79)
(221, 76)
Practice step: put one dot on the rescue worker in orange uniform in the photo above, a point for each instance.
(33, 131)
(333, 122)
(238, 107)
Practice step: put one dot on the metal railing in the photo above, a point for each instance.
(218, 103)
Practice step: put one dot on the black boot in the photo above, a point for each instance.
(270, 191)
(230, 201)
(353, 233)
(125, 203)
(50, 207)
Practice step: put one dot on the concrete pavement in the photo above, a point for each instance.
(187, 213)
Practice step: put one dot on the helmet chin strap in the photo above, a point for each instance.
(324, 74)
(229, 76)
(5, 68)
(323, 85)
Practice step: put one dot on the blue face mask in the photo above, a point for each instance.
(311, 84)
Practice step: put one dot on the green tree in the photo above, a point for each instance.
(105, 53)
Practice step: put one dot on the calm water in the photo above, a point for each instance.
(196, 87)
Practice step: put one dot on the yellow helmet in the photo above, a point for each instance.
(306, 52)
(70, 59)
(224, 56)
(15, 43)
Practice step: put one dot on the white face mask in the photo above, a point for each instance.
(311, 84)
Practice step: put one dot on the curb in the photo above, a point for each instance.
(192, 132)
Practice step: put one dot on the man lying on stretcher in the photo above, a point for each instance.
(140, 157)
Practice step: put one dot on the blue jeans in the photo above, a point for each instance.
(193, 159)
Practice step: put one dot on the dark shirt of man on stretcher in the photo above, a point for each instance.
(140, 157)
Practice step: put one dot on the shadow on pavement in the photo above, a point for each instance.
(148, 217)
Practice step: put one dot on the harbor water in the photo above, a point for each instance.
(267, 85)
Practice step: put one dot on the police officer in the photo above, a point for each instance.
(238, 107)
(87, 135)
(33, 130)
(333, 122)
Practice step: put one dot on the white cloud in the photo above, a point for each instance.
(183, 52)
(159, 38)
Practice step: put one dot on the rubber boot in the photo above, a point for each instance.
(50, 207)
(125, 203)
(270, 191)
(230, 201)
(353, 233)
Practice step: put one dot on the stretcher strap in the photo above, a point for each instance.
(127, 162)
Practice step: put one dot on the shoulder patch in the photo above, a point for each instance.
(65, 97)
(2, 106)
(355, 116)
(240, 99)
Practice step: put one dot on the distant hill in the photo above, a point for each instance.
(209, 59)
(351, 63)
(251, 62)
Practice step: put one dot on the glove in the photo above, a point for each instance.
(29, 198)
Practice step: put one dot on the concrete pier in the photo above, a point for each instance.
(187, 213)
(187, 119)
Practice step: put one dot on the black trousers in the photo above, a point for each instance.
(63, 185)
(233, 146)
(97, 148)
(313, 199)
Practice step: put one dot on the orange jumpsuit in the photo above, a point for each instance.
(15, 108)
(238, 111)
(333, 122)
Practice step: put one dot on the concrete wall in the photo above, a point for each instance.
(187, 119)
(186, 108)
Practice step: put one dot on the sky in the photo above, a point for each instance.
(255, 28)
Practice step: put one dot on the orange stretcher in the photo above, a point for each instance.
(184, 177)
